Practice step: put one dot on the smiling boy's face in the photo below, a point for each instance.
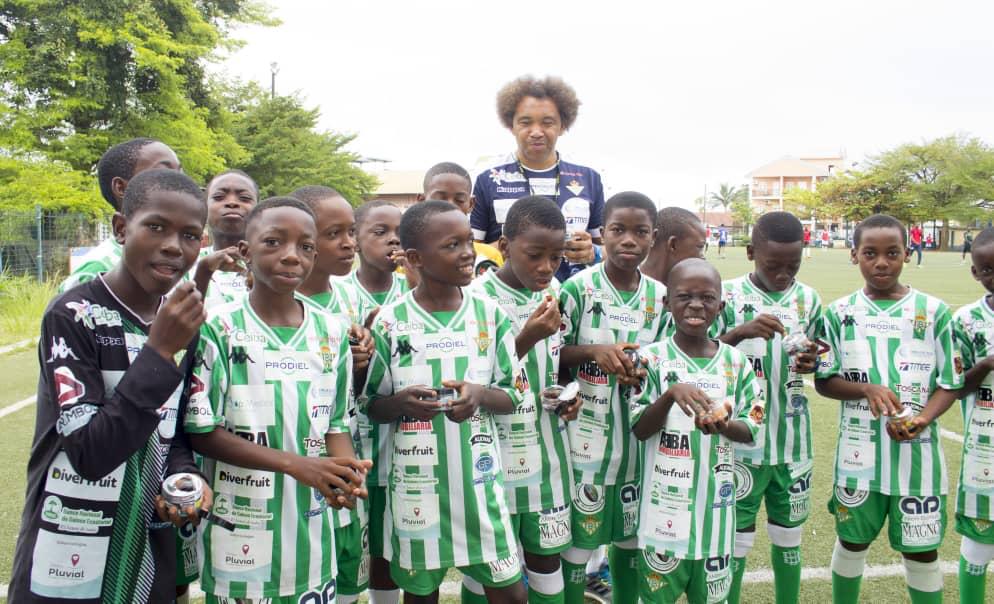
(445, 249)
(280, 248)
(693, 297)
(161, 239)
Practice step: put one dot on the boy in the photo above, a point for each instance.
(533, 445)
(761, 309)
(335, 249)
(694, 388)
(116, 167)
(376, 280)
(607, 310)
(892, 349)
(679, 235)
(447, 503)
(115, 357)
(267, 410)
(975, 496)
(450, 182)
(231, 195)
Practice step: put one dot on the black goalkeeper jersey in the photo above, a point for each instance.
(106, 435)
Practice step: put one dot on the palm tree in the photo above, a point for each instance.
(727, 195)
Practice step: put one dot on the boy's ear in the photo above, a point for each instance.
(852, 255)
(973, 271)
(117, 187)
(243, 249)
(413, 257)
(750, 252)
(419, 198)
(472, 203)
(118, 223)
(504, 246)
(666, 302)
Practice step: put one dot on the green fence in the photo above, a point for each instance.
(39, 243)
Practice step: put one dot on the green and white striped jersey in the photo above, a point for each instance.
(283, 388)
(604, 452)
(374, 438)
(533, 444)
(909, 346)
(98, 260)
(688, 483)
(447, 505)
(975, 497)
(330, 303)
(785, 436)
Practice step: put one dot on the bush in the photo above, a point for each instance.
(23, 301)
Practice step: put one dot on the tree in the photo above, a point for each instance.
(27, 182)
(728, 194)
(805, 203)
(80, 76)
(742, 211)
(286, 151)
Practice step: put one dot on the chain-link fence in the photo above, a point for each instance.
(39, 243)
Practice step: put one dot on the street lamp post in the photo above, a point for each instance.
(274, 69)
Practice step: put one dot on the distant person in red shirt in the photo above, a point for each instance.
(915, 242)
(824, 240)
(807, 241)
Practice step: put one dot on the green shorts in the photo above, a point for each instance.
(604, 514)
(981, 531)
(917, 524)
(377, 502)
(785, 487)
(352, 555)
(543, 533)
(500, 573)
(322, 595)
(663, 579)
(187, 560)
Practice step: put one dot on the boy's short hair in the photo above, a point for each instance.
(416, 219)
(630, 199)
(984, 237)
(255, 185)
(363, 211)
(549, 87)
(119, 162)
(780, 227)
(271, 203)
(533, 210)
(879, 221)
(690, 263)
(312, 194)
(445, 167)
(675, 222)
(159, 179)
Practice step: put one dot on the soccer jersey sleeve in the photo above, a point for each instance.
(379, 381)
(209, 383)
(99, 430)
(507, 369)
(829, 363)
(338, 423)
(651, 390)
(948, 360)
(816, 318)
(964, 341)
(750, 407)
(571, 308)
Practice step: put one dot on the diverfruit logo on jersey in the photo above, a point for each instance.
(92, 315)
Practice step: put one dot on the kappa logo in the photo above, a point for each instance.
(596, 309)
(92, 315)
(849, 321)
(69, 389)
(979, 339)
(404, 347)
(60, 350)
(747, 309)
(672, 377)
(240, 356)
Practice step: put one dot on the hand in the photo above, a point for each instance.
(611, 358)
(806, 361)
(580, 248)
(694, 403)
(227, 260)
(168, 512)
(470, 398)
(544, 321)
(907, 430)
(419, 402)
(339, 479)
(882, 400)
(571, 410)
(362, 351)
(177, 321)
(764, 326)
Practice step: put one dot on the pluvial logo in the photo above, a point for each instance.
(74, 559)
(245, 549)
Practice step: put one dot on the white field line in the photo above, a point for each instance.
(17, 345)
(5, 411)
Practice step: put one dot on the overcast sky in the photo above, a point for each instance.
(676, 95)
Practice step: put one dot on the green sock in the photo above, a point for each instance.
(471, 598)
(786, 573)
(972, 581)
(548, 595)
(845, 590)
(575, 577)
(738, 571)
(926, 597)
(624, 574)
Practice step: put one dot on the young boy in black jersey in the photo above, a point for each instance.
(115, 357)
